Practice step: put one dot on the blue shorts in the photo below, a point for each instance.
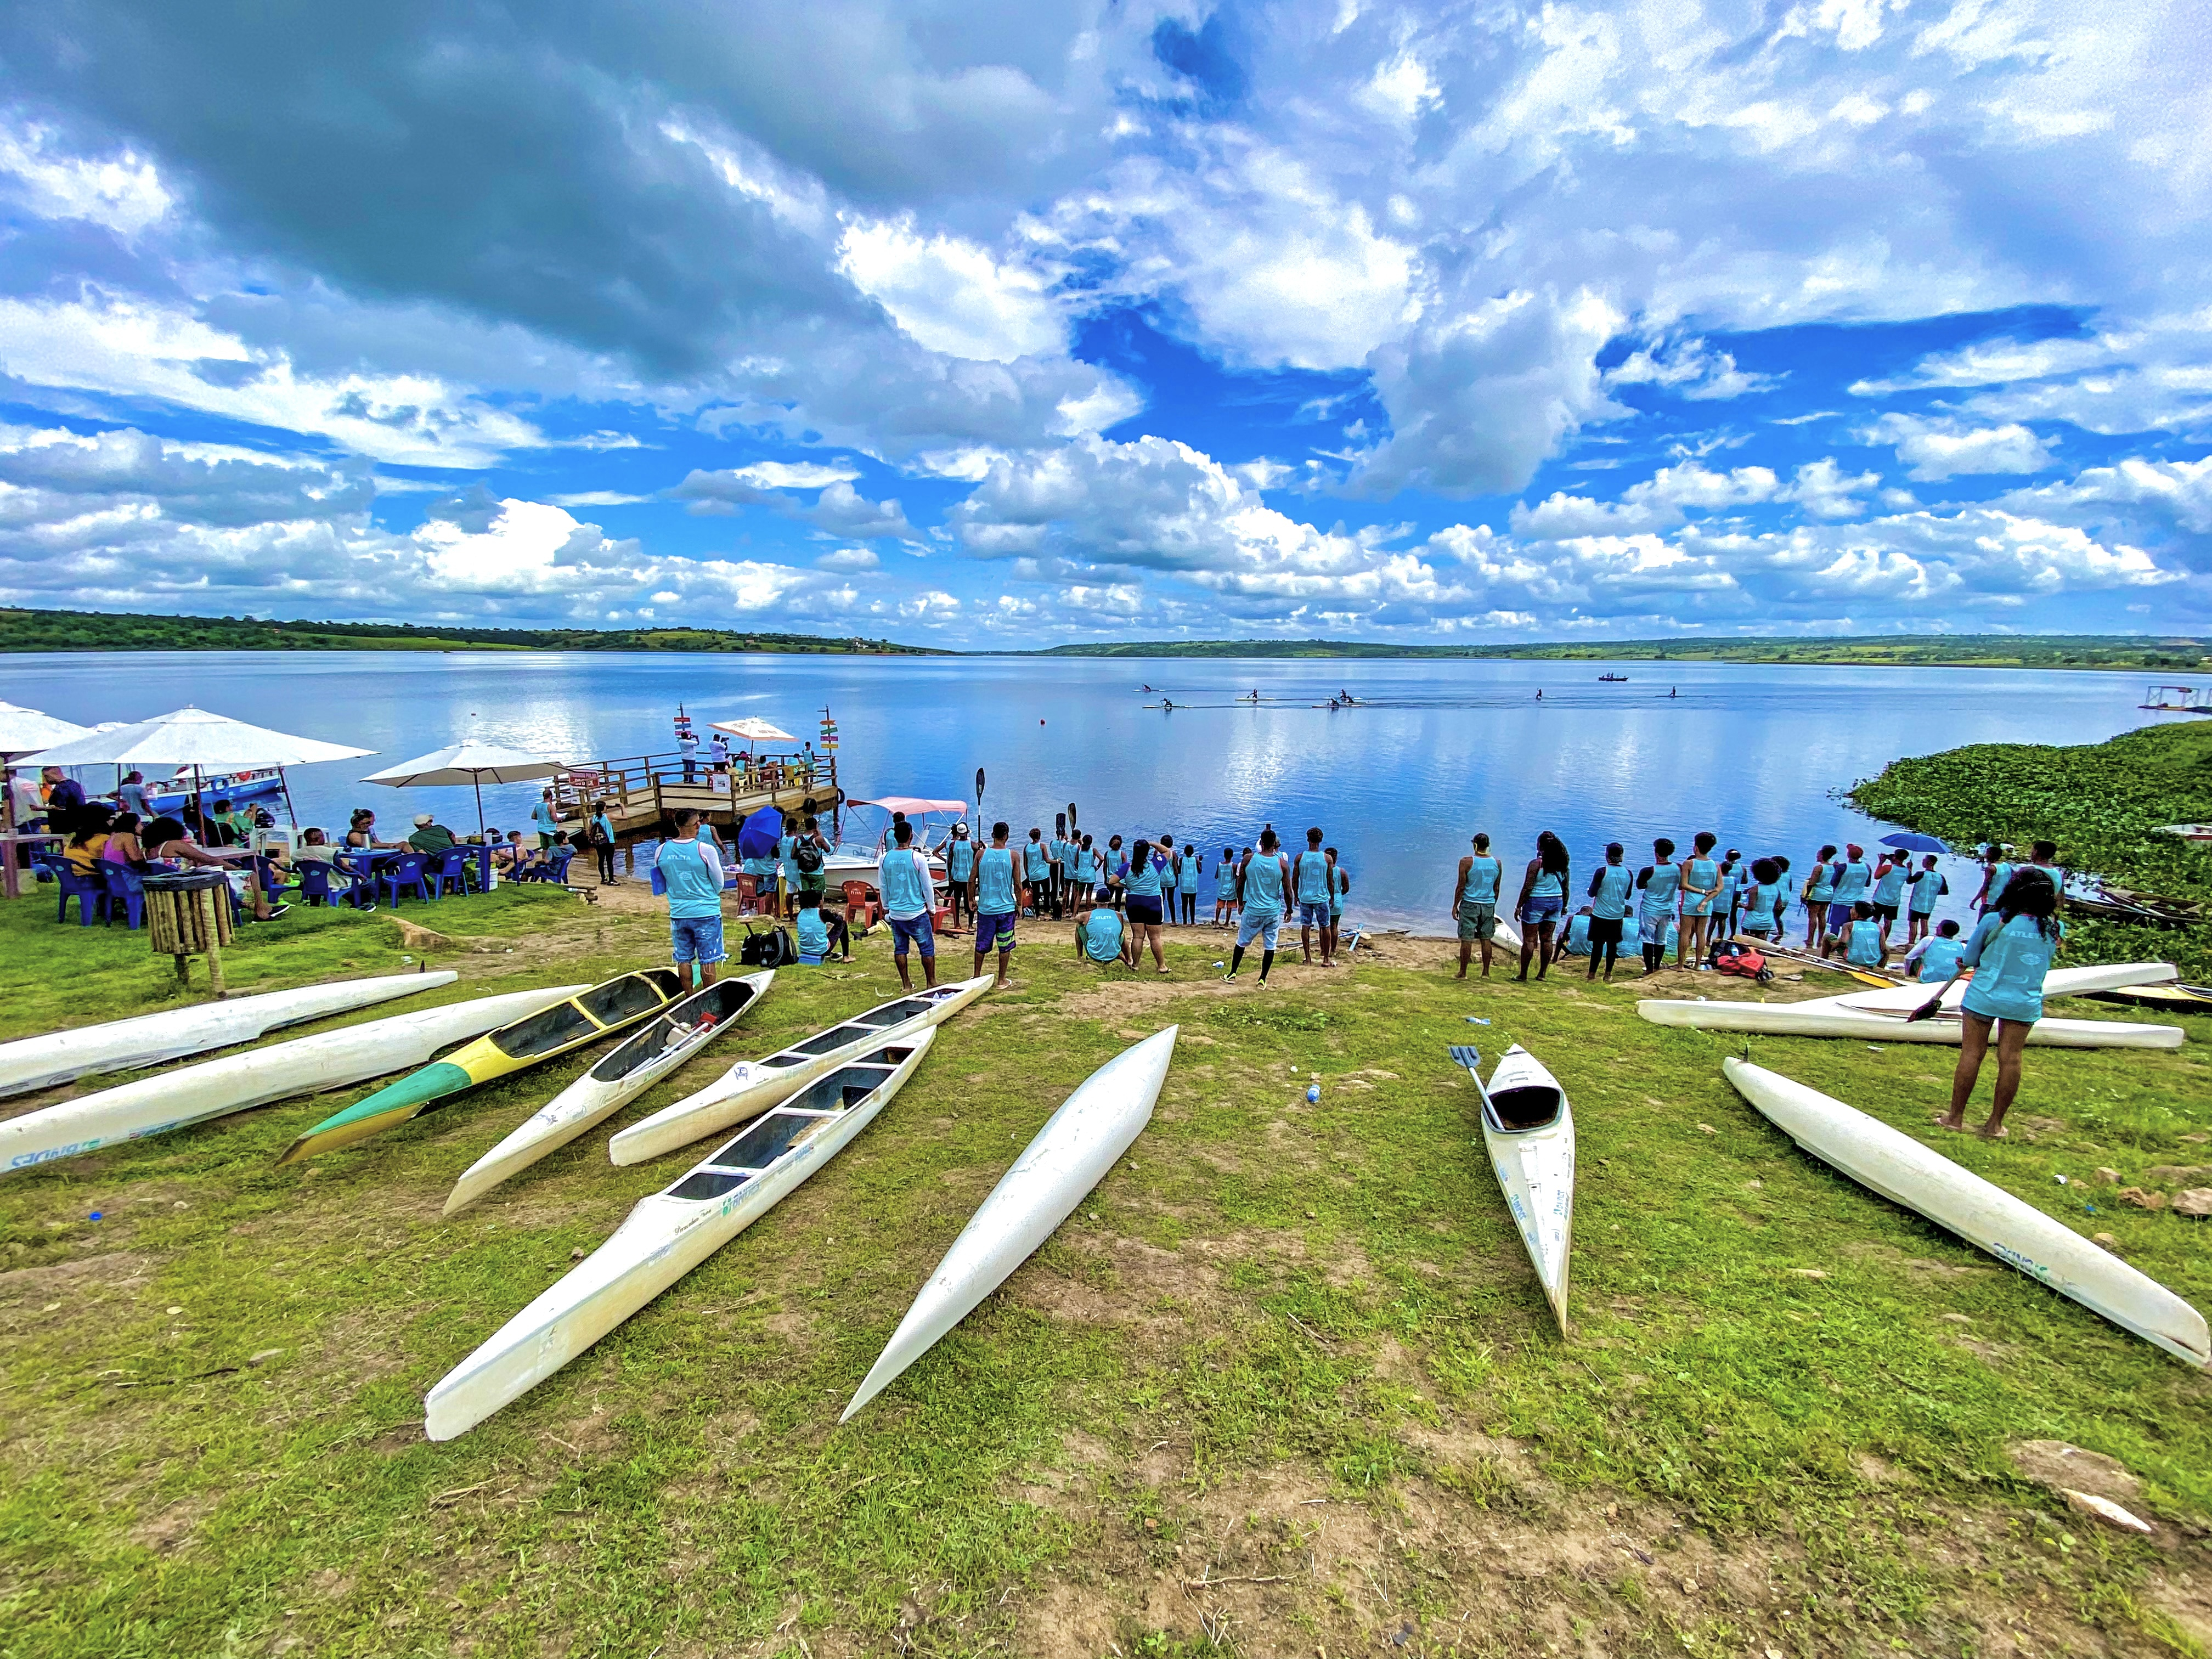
(1257, 924)
(1839, 916)
(1314, 914)
(916, 928)
(696, 938)
(1541, 908)
(994, 931)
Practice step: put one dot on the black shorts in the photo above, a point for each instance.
(1886, 912)
(1143, 908)
(1604, 932)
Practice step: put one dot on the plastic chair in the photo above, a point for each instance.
(748, 895)
(273, 883)
(91, 896)
(407, 870)
(858, 907)
(126, 890)
(453, 865)
(558, 871)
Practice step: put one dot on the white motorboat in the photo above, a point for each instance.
(671, 1232)
(1068, 1156)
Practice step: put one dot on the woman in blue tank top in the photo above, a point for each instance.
(2010, 953)
(1543, 902)
(1609, 891)
(1701, 883)
(959, 865)
(1820, 888)
(1143, 895)
(1658, 881)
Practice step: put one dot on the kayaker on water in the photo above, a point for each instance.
(1543, 901)
(2010, 953)
(1474, 902)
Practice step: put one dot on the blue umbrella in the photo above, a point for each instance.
(761, 833)
(1912, 841)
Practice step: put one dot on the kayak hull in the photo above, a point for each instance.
(1884, 1160)
(576, 1022)
(59, 1057)
(1535, 1171)
(637, 1064)
(1823, 1019)
(235, 1082)
(751, 1086)
(665, 1238)
(1069, 1156)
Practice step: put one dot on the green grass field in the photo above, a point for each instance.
(1284, 1385)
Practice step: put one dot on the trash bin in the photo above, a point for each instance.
(188, 914)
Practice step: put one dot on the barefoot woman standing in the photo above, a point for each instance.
(2010, 954)
(1543, 901)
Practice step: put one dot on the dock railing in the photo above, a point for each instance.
(640, 790)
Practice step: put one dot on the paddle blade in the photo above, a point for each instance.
(1463, 1056)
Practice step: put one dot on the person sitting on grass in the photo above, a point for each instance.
(1860, 943)
(1100, 936)
(819, 932)
(167, 844)
(1936, 957)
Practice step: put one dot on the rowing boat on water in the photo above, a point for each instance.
(1068, 1156)
(1528, 1130)
(1823, 1019)
(637, 1064)
(573, 1024)
(122, 1045)
(751, 1086)
(2059, 983)
(1901, 1169)
(671, 1232)
(215, 1088)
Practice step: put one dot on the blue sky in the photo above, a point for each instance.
(987, 326)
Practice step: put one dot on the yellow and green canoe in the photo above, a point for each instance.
(547, 1034)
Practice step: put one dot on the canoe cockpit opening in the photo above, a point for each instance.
(1532, 1108)
(703, 1184)
(892, 1013)
(767, 1138)
(544, 1032)
(841, 1090)
(838, 1037)
(633, 994)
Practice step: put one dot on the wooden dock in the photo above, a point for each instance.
(642, 793)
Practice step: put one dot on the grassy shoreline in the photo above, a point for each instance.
(1287, 1368)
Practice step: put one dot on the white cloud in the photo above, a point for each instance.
(1933, 450)
(1691, 369)
(850, 560)
(123, 191)
(950, 294)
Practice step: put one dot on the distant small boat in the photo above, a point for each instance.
(1613, 679)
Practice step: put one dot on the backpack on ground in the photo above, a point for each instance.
(773, 949)
(1733, 957)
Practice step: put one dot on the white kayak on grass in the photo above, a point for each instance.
(1504, 934)
(671, 1232)
(1528, 1130)
(751, 1086)
(635, 1065)
(2059, 983)
(1892, 1163)
(1069, 1156)
(216, 1088)
(123, 1045)
(1823, 1018)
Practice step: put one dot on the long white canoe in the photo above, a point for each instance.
(638, 1062)
(1068, 1156)
(2059, 983)
(1528, 1130)
(123, 1045)
(1901, 1169)
(751, 1086)
(1825, 1018)
(671, 1232)
(215, 1088)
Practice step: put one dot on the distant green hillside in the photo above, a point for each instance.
(1908, 650)
(88, 630)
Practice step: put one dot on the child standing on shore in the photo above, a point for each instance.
(1659, 882)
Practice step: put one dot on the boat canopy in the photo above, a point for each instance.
(911, 805)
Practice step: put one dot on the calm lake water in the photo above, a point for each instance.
(1755, 754)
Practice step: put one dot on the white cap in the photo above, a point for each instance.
(422, 819)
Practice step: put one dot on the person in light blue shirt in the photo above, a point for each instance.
(903, 876)
(1927, 885)
(2010, 954)
(1340, 883)
(1144, 898)
(994, 891)
(1309, 881)
(1888, 895)
(1171, 877)
(1701, 887)
(691, 870)
(1660, 882)
(1997, 873)
(1187, 885)
(1820, 888)
(1474, 903)
(1861, 942)
(1265, 882)
(1543, 901)
(959, 865)
(1036, 870)
(1226, 877)
(1610, 890)
(820, 932)
(1936, 957)
(1763, 899)
(1098, 935)
(1575, 938)
(546, 820)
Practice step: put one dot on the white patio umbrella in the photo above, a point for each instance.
(470, 762)
(754, 730)
(200, 739)
(24, 732)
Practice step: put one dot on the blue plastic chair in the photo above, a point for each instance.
(272, 880)
(91, 897)
(126, 891)
(408, 871)
(453, 866)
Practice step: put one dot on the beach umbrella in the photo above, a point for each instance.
(470, 763)
(23, 732)
(754, 730)
(757, 838)
(194, 738)
(1908, 840)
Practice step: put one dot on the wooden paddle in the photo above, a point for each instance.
(1927, 1010)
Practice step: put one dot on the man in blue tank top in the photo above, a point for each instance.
(691, 870)
(1474, 903)
(1266, 885)
(903, 879)
(959, 865)
(994, 891)
(1309, 881)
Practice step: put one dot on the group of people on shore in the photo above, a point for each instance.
(1852, 904)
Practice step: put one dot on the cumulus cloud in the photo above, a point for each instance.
(1933, 450)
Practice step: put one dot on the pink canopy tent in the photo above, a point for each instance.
(913, 804)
